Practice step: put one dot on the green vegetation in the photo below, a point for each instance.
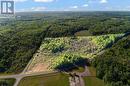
(7, 82)
(83, 33)
(88, 24)
(64, 57)
(54, 46)
(57, 79)
(67, 61)
(62, 53)
(20, 38)
(92, 71)
(113, 65)
(3, 30)
(18, 45)
(106, 40)
(93, 81)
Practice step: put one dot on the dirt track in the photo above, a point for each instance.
(76, 78)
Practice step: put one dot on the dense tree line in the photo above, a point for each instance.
(114, 65)
(18, 45)
(93, 25)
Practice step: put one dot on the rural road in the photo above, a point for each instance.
(18, 77)
(74, 81)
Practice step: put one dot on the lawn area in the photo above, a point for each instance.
(93, 81)
(92, 71)
(58, 79)
(7, 82)
(83, 33)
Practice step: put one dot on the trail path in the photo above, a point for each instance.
(76, 78)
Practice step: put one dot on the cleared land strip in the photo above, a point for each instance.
(18, 77)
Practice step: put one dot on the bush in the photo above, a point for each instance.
(54, 46)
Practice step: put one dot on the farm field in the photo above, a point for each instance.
(58, 79)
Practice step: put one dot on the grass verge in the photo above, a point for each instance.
(7, 82)
(58, 79)
(93, 80)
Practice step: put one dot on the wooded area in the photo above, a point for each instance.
(21, 37)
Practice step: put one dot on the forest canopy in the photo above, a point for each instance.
(21, 37)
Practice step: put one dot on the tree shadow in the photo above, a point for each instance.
(67, 67)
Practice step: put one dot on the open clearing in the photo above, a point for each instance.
(44, 57)
(51, 48)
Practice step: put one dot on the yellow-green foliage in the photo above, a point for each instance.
(105, 40)
(66, 60)
(4, 30)
(64, 52)
(55, 45)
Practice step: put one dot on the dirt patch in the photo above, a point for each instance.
(39, 67)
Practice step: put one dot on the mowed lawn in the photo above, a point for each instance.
(7, 82)
(58, 79)
(93, 80)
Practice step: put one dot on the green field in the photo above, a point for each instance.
(7, 82)
(83, 33)
(60, 79)
(57, 79)
(93, 80)
(92, 71)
